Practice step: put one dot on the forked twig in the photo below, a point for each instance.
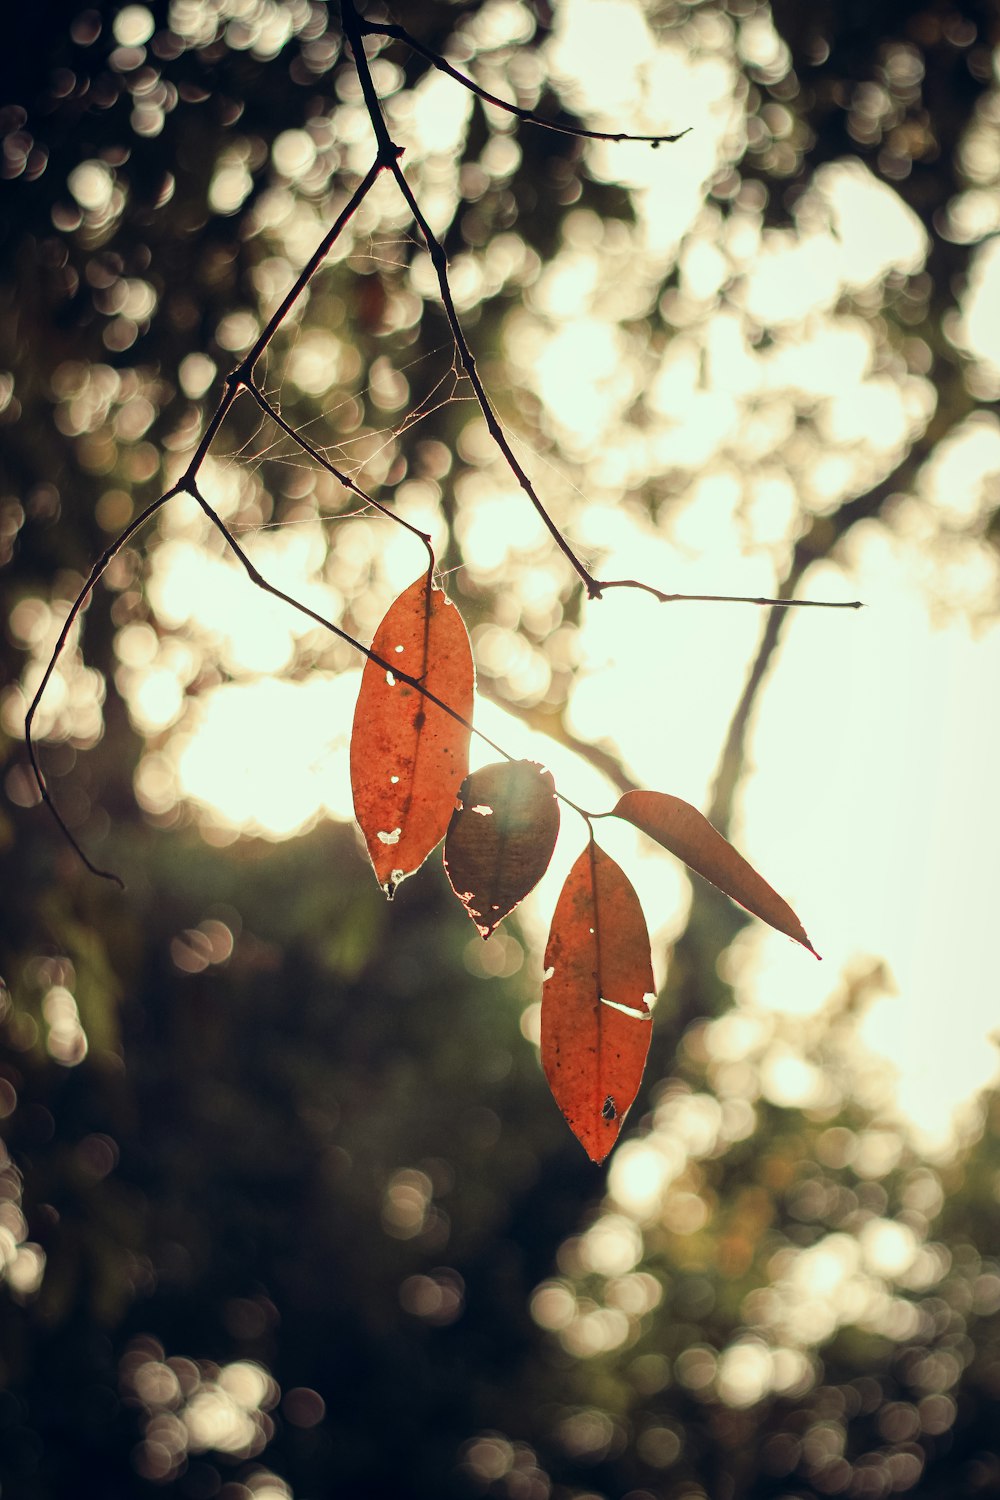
(355, 30)
(240, 378)
(256, 577)
(338, 474)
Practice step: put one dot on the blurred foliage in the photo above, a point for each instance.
(285, 1206)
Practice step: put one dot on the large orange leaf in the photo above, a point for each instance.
(408, 756)
(683, 830)
(501, 838)
(595, 1019)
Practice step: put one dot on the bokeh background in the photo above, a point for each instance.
(287, 1211)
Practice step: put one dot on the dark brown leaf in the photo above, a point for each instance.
(501, 838)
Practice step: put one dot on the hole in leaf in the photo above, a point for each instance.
(398, 648)
(627, 1010)
(548, 974)
(394, 780)
(390, 679)
(608, 1109)
(393, 883)
(390, 838)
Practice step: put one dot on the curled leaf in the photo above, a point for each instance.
(500, 839)
(408, 755)
(687, 833)
(595, 1016)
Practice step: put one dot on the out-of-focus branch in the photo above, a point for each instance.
(824, 534)
(552, 724)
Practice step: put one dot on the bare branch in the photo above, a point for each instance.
(553, 726)
(76, 607)
(647, 588)
(400, 34)
(338, 474)
(312, 265)
(353, 31)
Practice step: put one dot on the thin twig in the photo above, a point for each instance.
(647, 588)
(75, 608)
(256, 577)
(239, 379)
(312, 265)
(400, 34)
(338, 474)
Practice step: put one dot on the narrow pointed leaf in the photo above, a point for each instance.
(408, 756)
(683, 830)
(595, 1016)
(501, 838)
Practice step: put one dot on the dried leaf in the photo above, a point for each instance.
(408, 756)
(501, 838)
(595, 1017)
(683, 830)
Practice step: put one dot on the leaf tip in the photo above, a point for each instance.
(599, 1149)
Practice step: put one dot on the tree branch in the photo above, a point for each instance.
(552, 725)
(355, 30)
(338, 474)
(400, 34)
